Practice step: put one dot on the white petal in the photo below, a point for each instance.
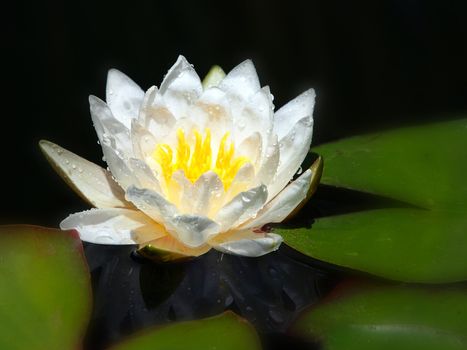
(269, 162)
(123, 96)
(110, 131)
(205, 193)
(121, 172)
(248, 243)
(142, 140)
(167, 245)
(242, 207)
(145, 175)
(293, 150)
(181, 87)
(155, 116)
(110, 226)
(212, 110)
(287, 116)
(242, 81)
(89, 180)
(151, 203)
(244, 180)
(284, 203)
(192, 230)
(251, 147)
(255, 116)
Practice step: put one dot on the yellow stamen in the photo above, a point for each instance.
(196, 158)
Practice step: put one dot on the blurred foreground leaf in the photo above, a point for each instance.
(45, 293)
(389, 317)
(423, 166)
(223, 332)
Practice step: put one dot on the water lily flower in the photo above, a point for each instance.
(191, 165)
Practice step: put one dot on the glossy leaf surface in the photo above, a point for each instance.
(389, 317)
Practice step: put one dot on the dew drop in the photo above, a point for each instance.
(246, 198)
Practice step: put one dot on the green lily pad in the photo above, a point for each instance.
(389, 317)
(401, 244)
(424, 165)
(223, 332)
(45, 293)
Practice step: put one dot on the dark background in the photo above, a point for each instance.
(373, 64)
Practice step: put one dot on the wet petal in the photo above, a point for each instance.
(168, 249)
(198, 198)
(269, 162)
(284, 203)
(242, 207)
(142, 140)
(242, 81)
(300, 107)
(144, 174)
(154, 115)
(89, 180)
(247, 243)
(123, 96)
(192, 230)
(111, 226)
(251, 147)
(110, 131)
(293, 150)
(181, 87)
(118, 167)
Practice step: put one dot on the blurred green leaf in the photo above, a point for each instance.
(402, 244)
(223, 332)
(424, 165)
(389, 317)
(45, 293)
(214, 77)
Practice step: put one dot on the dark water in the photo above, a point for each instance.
(132, 293)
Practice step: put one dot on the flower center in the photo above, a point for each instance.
(197, 157)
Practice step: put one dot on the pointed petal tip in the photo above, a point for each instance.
(182, 61)
(94, 100)
(43, 144)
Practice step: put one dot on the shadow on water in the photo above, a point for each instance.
(131, 293)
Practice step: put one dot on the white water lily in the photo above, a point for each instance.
(191, 167)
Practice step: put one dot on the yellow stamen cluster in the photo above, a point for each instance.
(196, 157)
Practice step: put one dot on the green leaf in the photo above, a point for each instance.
(389, 317)
(45, 293)
(424, 166)
(401, 244)
(223, 332)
